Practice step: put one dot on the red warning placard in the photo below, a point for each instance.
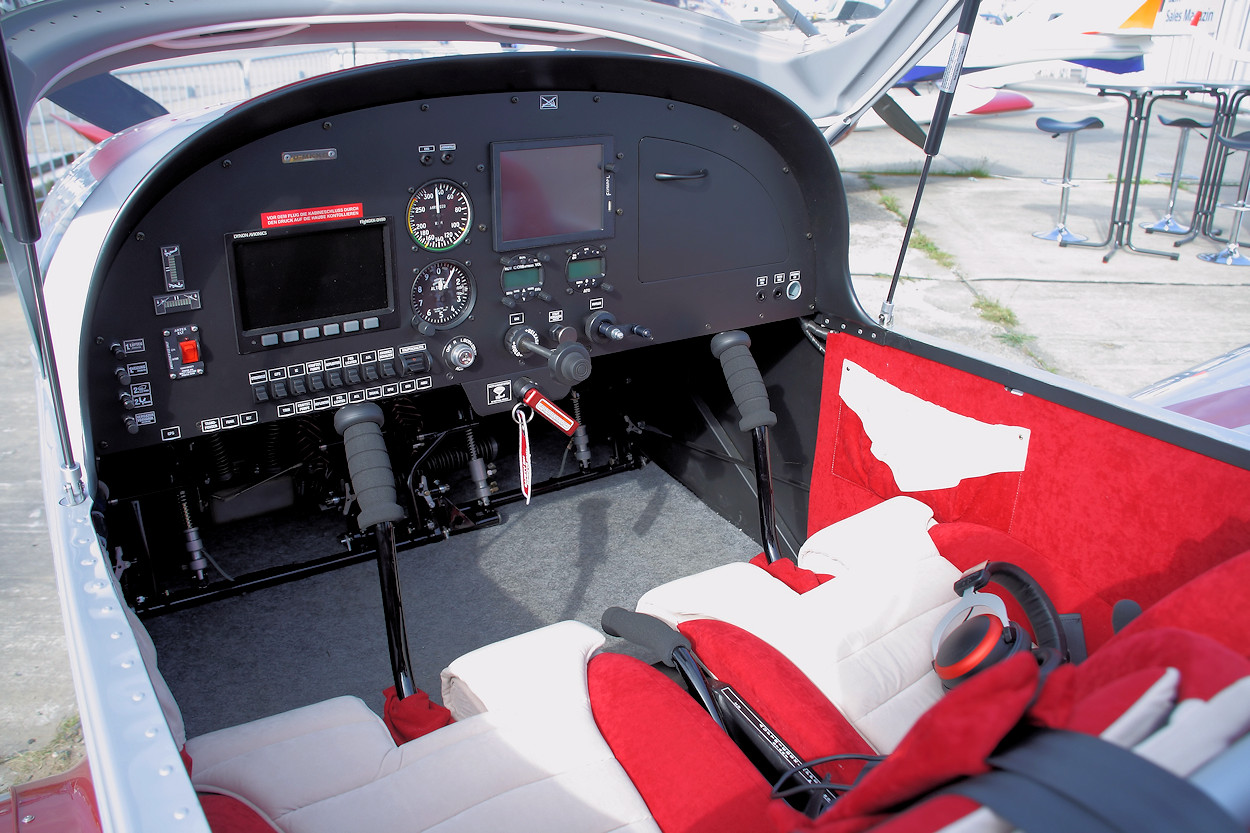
(321, 214)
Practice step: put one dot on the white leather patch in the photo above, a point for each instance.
(535, 761)
(1197, 731)
(862, 638)
(926, 446)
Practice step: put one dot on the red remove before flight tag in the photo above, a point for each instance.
(549, 411)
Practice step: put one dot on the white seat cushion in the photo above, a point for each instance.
(532, 762)
(862, 638)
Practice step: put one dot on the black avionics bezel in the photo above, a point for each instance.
(603, 188)
(363, 246)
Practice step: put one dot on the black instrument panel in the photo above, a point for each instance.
(472, 239)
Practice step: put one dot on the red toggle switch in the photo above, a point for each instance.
(190, 351)
(549, 411)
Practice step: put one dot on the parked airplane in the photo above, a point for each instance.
(284, 344)
(1112, 37)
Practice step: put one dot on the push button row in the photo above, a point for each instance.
(310, 333)
(337, 400)
(339, 377)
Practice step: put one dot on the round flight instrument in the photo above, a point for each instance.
(442, 295)
(439, 215)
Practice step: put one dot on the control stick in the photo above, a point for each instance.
(373, 481)
(733, 348)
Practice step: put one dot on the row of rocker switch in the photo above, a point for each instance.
(339, 377)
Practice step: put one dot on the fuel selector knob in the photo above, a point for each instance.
(460, 353)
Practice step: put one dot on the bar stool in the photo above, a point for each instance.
(1055, 127)
(1230, 255)
(1167, 224)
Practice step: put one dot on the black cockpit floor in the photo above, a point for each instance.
(568, 555)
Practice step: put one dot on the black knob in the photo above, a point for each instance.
(123, 375)
(132, 426)
(601, 326)
(126, 400)
(570, 363)
(640, 331)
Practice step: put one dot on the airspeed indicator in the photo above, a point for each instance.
(439, 215)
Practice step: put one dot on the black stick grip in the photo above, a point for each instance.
(733, 348)
(368, 463)
(644, 630)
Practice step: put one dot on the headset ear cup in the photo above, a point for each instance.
(975, 645)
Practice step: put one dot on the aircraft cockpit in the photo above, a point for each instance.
(520, 229)
(513, 338)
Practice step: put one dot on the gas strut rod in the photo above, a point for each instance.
(733, 348)
(21, 222)
(937, 129)
(373, 481)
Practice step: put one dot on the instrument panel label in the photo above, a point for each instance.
(321, 214)
(499, 393)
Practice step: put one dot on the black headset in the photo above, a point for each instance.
(978, 641)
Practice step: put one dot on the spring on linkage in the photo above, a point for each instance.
(310, 447)
(184, 505)
(449, 458)
(223, 469)
(271, 460)
(404, 419)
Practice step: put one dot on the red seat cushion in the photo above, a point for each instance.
(692, 776)
(227, 814)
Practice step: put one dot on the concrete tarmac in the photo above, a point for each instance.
(36, 692)
(1117, 325)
